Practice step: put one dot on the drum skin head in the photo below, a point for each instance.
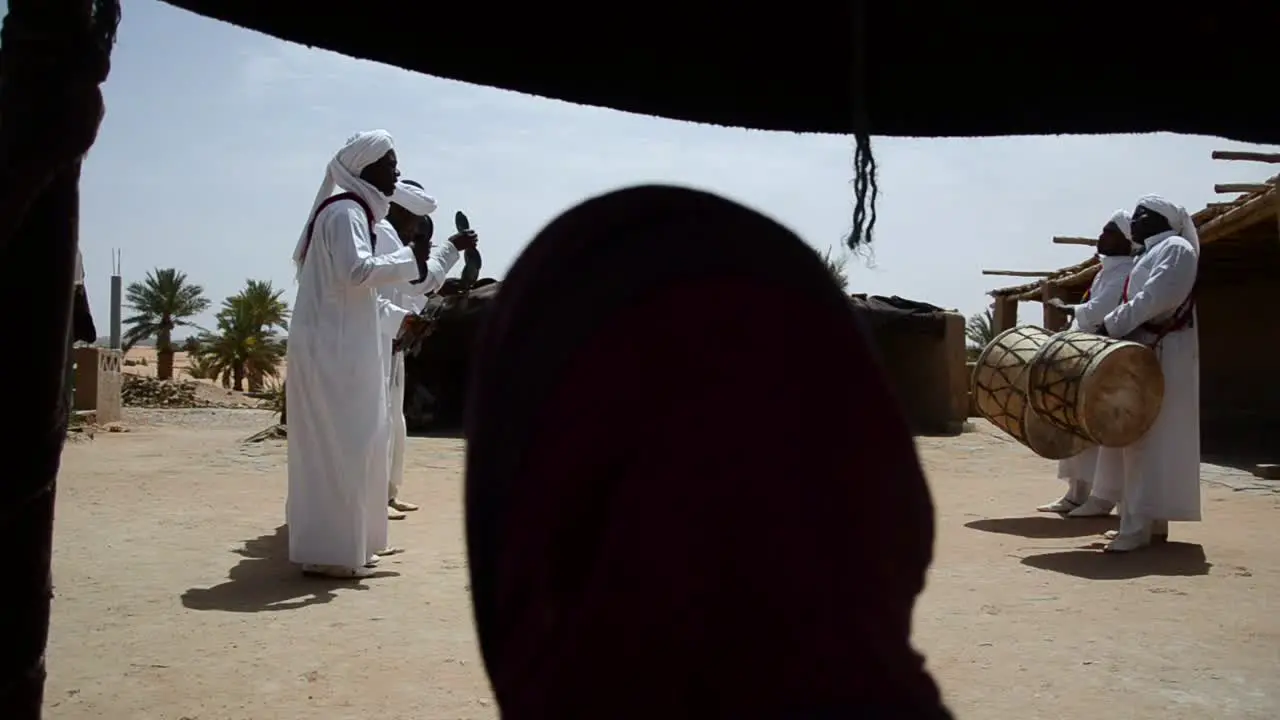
(1105, 390)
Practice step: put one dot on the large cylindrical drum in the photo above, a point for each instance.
(999, 387)
(1103, 390)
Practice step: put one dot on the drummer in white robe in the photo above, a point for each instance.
(1162, 470)
(1095, 477)
(338, 428)
(408, 218)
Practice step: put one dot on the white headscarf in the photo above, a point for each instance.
(414, 199)
(361, 151)
(1123, 220)
(1179, 219)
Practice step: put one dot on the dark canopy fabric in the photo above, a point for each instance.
(878, 311)
(948, 71)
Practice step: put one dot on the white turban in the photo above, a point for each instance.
(1124, 221)
(361, 151)
(1179, 219)
(414, 199)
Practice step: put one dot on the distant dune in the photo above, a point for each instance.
(143, 359)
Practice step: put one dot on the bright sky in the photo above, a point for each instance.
(216, 139)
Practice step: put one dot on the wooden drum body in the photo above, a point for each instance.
(999, 387)
(1103, 390)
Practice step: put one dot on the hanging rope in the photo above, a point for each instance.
(865, 187)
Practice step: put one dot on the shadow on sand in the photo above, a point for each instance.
(1045, 526)
(1173, 559)
(265, 580)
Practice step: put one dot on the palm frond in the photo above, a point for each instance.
(836, 266)
(979, 330)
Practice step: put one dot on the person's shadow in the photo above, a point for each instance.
(1044, 527)
(1173, 559)
(264, 579)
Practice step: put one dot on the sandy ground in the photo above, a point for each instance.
(174, 600)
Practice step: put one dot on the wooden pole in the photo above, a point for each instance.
(1224, 205)
(1241, 187)
(1058, 239)
(55, 54)
(1004, 314)
(1245, 155)
(1020, 273)
(1055, 320)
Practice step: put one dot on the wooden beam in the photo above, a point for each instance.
(1275, 200)
(1079, 277)
(1020, 273)
(1055, 320)
(1004, 314)
(1241, 187)
(1255, 210)
(1224, 205)
(1060, 240)
(1244, 155)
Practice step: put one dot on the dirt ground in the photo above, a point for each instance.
(174, 599)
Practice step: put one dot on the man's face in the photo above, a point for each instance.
(411, 228)
(383, 173)
(421, 229)
(1147, 222)
(1112, 241)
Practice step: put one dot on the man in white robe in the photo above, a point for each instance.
(396, 302)
(1095, 477)
(338, 429)
(1162, 470)
(82, 327)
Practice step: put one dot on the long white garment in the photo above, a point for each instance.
(1098, 470)
(338, 425)
(1162, 470)
(395, 302)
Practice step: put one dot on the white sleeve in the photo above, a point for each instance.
(345, 229)
(1173, 275)
(443, 257)
(390, 317)
(1104, 296)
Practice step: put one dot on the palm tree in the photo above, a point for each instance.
(266, 304)
(246, 345)
(164, 300)
(836, 266)
(980, 330)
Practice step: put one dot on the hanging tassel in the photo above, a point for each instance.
(865, 186)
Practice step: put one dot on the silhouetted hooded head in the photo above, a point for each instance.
(690, 492)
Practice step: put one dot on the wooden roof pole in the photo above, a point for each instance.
(1246, 155)
(1241, 187)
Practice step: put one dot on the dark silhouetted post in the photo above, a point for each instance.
(53, 56)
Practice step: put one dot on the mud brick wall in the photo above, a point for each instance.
(98, 382)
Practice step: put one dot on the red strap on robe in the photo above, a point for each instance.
(368, 214)
(1183, 316)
